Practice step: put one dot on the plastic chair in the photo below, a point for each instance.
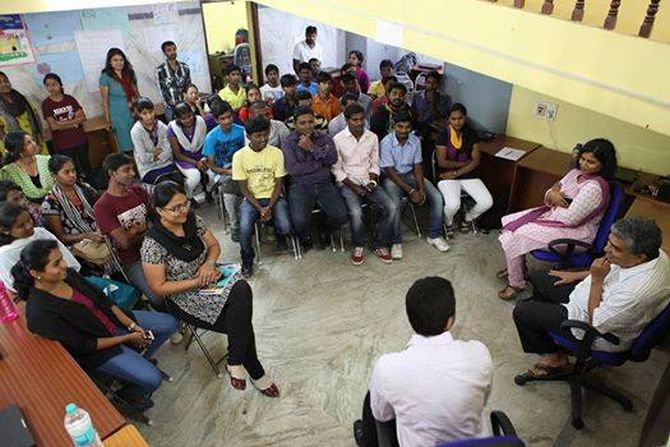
(567, 258)
(587, 359)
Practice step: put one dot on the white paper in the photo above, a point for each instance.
(154, 36)
(92, 47)
(509, 153)
(389, 33)
(165, 13)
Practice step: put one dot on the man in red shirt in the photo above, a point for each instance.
(121, 214)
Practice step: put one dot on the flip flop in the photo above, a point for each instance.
(510, 292)
(550, 372)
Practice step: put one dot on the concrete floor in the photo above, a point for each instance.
(320, 325)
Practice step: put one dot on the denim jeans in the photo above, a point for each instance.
(433, 198)
(303, 198)
(384, 207)
(130, 366)
(249, 215)
(136, 276)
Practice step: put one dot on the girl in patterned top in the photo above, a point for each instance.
(573, 209)
(179, 257)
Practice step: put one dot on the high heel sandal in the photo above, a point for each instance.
(237, 380)
(510, 292)
(266, 386)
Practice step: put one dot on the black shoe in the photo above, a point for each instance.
(247, 270)
(143, 405)
(306, 245)
(359, 433)
(235, 236)
(282, 242)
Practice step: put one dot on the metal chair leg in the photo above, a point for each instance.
(257, 230)
(214, 365)
(295, 243)
(417, 228)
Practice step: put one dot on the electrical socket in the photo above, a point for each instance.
(545, 110)
(551, 111)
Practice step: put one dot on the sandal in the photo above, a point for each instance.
(510, 292)
(548, 372)
(236, 373)
(266, 386)
(501, 274)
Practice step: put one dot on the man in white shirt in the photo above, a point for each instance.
(433, 391)
(307, 49)
(620, 294)
(357, 173)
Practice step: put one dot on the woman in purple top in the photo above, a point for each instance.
(186, 134)
(458, 157)
(356, 59)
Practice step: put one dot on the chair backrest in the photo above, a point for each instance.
(611, 215)
(650, 336)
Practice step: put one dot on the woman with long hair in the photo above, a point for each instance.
(179, 256)
(25, 166)
(65, 118)
(186, 134)
(573, 209)
(118, 87)
(17, 115)
(356, 59)
(104, 339)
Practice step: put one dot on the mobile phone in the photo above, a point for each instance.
(149, 335)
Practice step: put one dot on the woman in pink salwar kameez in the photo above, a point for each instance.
(573, 208)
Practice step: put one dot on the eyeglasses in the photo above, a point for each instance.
(179, 207)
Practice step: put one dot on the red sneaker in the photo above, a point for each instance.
(384, 255)
(357, 256)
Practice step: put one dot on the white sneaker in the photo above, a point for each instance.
(438, 243)
(396, 251)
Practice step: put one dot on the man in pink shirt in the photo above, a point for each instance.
(357, 173)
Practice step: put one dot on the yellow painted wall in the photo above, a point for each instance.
(222, 20)
(614, 74)
(637, 148)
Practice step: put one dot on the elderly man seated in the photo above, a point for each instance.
(620, 294)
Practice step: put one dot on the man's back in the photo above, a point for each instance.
(436, 389)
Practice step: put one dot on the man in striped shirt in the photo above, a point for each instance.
(620, 294)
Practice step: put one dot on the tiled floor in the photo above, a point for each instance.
(320, 325)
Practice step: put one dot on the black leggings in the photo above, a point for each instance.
(234, 320)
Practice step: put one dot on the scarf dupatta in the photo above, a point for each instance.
(199, 133)
(74, 216)
(535, 214)
(10, 111)
(186, 248)
(128, 85)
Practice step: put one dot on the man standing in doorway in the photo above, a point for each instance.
(173, 77)
(307, 49)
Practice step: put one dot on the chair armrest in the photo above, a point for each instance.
(501, 425)
(590, 334)
(565, 255)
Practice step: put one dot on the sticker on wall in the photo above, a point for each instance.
(15, 46)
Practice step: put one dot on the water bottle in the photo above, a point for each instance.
(80, 427)
(7, 308)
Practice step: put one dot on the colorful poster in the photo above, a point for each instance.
(105, 18)
(14, 43)
(65, 64)
(52, 28)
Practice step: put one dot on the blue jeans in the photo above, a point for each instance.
(130, 366)
(248, 217)
(433, 197)
(135, 274)
(383, 205)
(302, 199)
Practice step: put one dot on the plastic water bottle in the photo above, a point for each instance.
(80, 427)
(7, 308)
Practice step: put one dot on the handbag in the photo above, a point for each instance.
(96, 253)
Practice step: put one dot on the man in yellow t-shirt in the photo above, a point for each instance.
(233, 93)
(377, 89)
(259, 170)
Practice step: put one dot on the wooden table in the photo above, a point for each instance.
(499, 173)
(536, 173)
(128, 436)
(41, 378)
(653, 209)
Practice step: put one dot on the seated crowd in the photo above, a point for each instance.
(308, 157)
